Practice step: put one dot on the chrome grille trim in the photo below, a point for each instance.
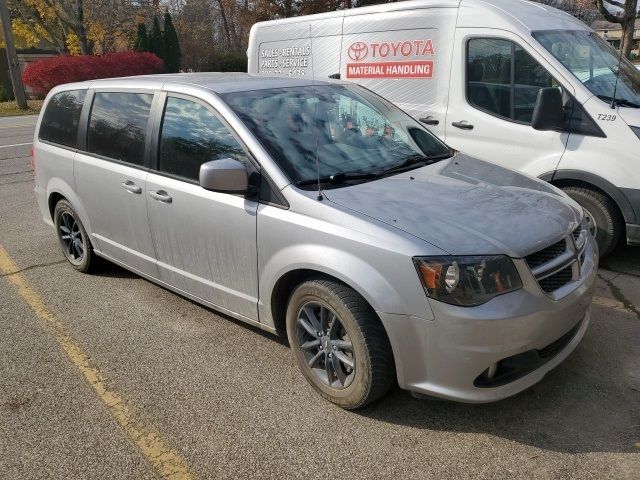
(551, 267)
(565, 263)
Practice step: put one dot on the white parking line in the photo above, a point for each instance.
(16, 145)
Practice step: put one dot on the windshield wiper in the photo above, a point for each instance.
(339, 177)
(620, 101)
(407, 164)
(412, 161)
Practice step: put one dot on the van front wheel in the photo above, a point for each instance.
(602, 215)
(339, 343)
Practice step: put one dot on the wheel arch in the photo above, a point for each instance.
(287, 282)
(58, 189)
(576, 178)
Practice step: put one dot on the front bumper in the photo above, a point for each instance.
(444, 357)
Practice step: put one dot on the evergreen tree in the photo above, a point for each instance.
(142, 39)
(156, 41)
(171, 45)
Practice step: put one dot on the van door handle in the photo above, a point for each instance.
(464, 125)
(161, 196)
(429, 120)
(129, 186)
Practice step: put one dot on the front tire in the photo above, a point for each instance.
(603, 218)
(339, 343)
(73, 238)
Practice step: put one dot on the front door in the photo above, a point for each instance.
(205, 242)
(111, 178)
(494, 87)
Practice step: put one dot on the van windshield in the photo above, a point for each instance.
(342, 134)
(595, 63)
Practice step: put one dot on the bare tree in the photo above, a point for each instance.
(584, 10)
(626, 19)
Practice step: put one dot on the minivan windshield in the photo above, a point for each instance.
(338, 133)
(595, 63)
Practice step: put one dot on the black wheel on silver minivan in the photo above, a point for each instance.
(339, 343)
(603, 218)
(73, 238)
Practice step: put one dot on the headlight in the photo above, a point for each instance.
(467, 281)
(636, 130)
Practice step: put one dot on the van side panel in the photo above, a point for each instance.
(408, 66)
(305, 48)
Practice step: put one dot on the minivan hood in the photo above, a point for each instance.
(467, 206)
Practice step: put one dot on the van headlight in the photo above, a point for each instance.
(467, 280)
(636, 130)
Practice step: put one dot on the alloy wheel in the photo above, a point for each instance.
(73, 242)
(325, 345)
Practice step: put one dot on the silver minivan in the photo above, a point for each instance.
(321, 210)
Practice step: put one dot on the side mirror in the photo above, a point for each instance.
(224, 175)
(548, 114)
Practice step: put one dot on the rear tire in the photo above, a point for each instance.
(73, 238)
(324, 349)
(602, 215)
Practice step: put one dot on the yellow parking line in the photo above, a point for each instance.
(165, 461)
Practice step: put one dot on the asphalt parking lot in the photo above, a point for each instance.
(110, 376)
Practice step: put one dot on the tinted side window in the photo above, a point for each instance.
(118, 125)
(61, 118)
(489, 75)
(503, 79)
(529, 78)
(192, 135)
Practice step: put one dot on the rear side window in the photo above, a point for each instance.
(503, 79)
(192, 135)
(118, 125)
(61, 118)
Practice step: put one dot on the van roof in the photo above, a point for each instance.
(214, 81)
(526, 14)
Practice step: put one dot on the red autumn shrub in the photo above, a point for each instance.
(45, 74)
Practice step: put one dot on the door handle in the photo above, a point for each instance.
(464, 125)
(429, 120)
(161, 196)
(129, 186)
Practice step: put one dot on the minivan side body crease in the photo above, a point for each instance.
(383, 255)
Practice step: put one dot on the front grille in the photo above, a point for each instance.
(546, 255)
(553, 266)
(576, 232)
(557, 280)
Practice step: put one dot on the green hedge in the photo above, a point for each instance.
(229, 62)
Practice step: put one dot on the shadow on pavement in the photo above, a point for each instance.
(624, 259)
(111, 270)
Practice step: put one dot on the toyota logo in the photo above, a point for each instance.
(358, 51)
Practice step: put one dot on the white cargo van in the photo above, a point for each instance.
(508, 81)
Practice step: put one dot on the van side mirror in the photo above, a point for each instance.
(224, 175)
(548, 113)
